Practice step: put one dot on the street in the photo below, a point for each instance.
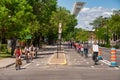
(77, 68)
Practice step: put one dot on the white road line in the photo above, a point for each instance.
(92, 66)
(117, 68)
(26, 65)
(87, 62)
(105, 61)
(109, 63)
(37, 64)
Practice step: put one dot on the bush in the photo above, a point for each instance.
(3, 47)
(116, 46)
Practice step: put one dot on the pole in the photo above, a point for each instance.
(57, 49)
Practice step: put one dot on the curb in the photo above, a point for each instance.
(10, 64)
(7, 65)
(58, 61)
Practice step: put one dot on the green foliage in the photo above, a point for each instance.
(17, 15)
(5, 55)
(39, 18)
(107, 27)
(82, 35)
(114, 22)
(79, 35)
(3, 47)
(68, 22)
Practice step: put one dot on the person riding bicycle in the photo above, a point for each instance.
(18, 54)
(32, 51)
(27, 54)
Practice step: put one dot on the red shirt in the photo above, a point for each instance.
(18, 52)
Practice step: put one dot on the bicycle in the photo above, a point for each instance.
(27, 57)
(18, 63)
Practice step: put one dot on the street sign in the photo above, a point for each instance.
(60, 28)
(28, 36)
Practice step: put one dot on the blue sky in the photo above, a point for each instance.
(91, 10)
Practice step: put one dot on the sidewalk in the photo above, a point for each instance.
(60, 60)
(4, 63)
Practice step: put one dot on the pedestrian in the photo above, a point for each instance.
(95, 50)
(69, 44)
(82, 49)
(79, 48)
(36, 51)
(86, 47)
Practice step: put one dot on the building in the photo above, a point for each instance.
(77, 7)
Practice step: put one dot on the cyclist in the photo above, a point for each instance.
(27, 54)
(32, 51)
(36, 51)
(18, 54)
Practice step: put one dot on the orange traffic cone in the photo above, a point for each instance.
(113, 58)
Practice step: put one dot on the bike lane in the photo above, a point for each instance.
(74, 59)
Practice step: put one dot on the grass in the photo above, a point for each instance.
(4, 55)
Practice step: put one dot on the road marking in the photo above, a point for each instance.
(87, 62)
(37, 64)
(67, 68)
(92, 66)
(117, 68)
(26, 65)
(105, 61)
(108, 63)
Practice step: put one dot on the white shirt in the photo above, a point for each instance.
(95, 48)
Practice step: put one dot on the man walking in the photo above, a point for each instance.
(95, 49)
(85, 46)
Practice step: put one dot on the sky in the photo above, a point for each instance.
(91, 10)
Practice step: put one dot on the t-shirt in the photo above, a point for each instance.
(31, 48)
(95, 48)
(86, 46)
(18, 51)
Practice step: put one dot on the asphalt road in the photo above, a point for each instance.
(77, 68)
(106, 55)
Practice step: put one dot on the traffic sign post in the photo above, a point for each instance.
(59, 38)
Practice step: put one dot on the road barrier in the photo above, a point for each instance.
(113, 58)
(99, 54)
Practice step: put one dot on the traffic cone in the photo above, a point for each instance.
(113, 58)
(99, 54)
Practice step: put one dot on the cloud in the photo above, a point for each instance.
(87, 15)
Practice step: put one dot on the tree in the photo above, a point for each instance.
(68, 22)
(16, 18)
(101, 29)
(43, 10)
(114, 25)
(108, 28)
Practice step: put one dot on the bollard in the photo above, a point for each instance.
(113, 58)
(99, 54)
